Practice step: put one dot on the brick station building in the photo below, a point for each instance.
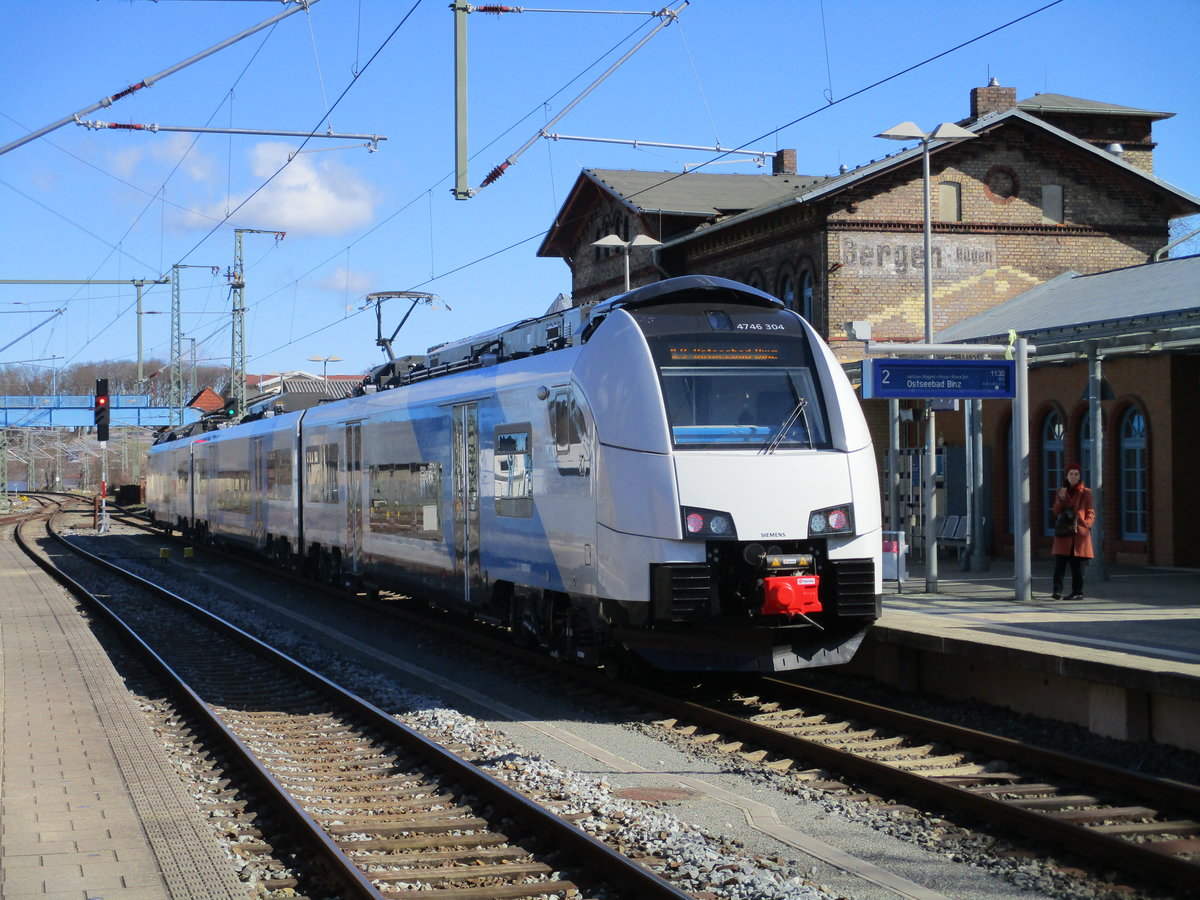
(1049, 185)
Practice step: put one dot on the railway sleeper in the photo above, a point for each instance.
(793, 716)
(496, 891)
(461, 857)
(422, 843)
(452, 816)
(1131, 829)
(460, 873)
(1175, 846)
(952, 760)
(901, 754)
(396, 798)
(1057, 801)
(886, 743)
(983, 780)
(1112, 813)
(815, 731)
(1006, 790)
(361, 824)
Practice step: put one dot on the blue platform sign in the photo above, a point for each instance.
(927, 379)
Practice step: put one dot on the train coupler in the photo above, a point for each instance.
(791, 595)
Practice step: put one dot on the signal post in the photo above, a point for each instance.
(102, 418)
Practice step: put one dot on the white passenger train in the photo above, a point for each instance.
(682, 473)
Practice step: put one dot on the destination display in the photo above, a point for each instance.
(925, 379)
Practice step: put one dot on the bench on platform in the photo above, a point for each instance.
(953, 533)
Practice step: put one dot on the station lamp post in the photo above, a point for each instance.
(325, 361)
(615, 240)
(944, 133)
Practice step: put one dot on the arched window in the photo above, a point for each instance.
(787, 291)
(806, 295)
(1133, 476)
(1053, 435)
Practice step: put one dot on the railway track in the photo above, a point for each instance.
(1113, 818)
(380, 809)
(1110, 817)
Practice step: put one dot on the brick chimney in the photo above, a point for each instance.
(784, 162)
(992, 99)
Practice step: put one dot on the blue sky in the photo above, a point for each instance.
(83, 203)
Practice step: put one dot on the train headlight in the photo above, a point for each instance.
(707, 524)
(833, 520)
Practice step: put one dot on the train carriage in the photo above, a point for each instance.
(682, 473)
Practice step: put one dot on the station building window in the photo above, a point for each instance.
(1133, 476)
(1052, 204)
(806, 295)
(949, 200)
(1085, 449)
(1053, 451)
(787, 291)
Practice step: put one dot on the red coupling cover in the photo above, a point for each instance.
(791, 594)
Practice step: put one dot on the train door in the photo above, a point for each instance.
(258, 491)
(354, 506)
(466, 500)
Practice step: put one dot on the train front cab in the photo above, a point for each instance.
(749, 496)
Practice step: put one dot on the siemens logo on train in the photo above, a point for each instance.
(679, 476)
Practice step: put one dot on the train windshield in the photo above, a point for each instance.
(735, 377)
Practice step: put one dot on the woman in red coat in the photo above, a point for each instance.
(1076, 500)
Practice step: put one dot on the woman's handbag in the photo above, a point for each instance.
(1065, 525)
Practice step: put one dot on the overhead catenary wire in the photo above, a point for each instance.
(850, 96)
(667, 15)
(95, 124)
(146, 82)
(721, 155)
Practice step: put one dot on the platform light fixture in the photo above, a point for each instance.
(615, 241)
(325, 361)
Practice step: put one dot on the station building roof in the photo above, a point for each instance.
(1154, 306)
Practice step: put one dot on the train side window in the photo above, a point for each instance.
(562, 425)
(405, 500)
(513, 470)
(568, 427)
(279, 474)
(320, 473)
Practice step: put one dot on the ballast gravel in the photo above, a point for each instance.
(712, 859)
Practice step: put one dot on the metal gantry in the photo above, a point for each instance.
(237, 353)
(176, 398)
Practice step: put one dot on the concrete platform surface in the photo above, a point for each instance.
(90, 806)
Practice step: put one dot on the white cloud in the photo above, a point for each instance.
(310, 196)
(155, 155)
(352, 283)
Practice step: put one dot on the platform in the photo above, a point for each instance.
(1124, 661)
(90, 806)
